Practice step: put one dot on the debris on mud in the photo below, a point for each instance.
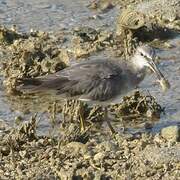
(163, 13)
(39, 54)
(71, 132)
(8, 36)
(137, 107)
(101, 156)
(87, 40)
(75, 108)
(134, 108)
(147, 21)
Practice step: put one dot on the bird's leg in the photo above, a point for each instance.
(53, 114)
(65, 111)
(107, 120)
(54, 111)
(81, 117)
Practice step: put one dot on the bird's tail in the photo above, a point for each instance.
(44, 84)
(29, 85)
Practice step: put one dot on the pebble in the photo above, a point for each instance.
(5, 151)
(171, 133)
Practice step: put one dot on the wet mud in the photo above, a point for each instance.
(76, 155)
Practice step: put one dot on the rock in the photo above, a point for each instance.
(171, 133)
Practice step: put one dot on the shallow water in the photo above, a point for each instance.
(51, 15)
(65, 14)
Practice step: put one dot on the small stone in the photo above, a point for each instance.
(171, 133)
(99, 156)
(5, 150)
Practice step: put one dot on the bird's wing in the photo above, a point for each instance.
(101, 69)
(95, 80)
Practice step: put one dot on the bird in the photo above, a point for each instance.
(98, 81)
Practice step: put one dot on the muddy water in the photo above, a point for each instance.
(65, 14)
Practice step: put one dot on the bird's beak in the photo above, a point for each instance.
(162, 80)
(155, 69)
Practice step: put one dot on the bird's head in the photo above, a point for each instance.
(144, 57)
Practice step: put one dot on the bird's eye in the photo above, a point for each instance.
(141, 54)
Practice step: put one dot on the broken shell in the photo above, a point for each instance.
(164, 84)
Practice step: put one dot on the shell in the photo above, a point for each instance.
(131, 19)
(164, 84)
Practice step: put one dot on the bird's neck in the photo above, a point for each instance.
(139, 72)
(136, 64)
